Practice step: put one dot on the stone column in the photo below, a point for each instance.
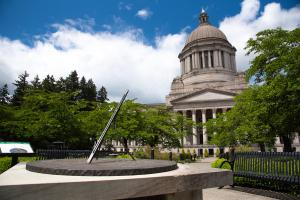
(197, 61)
(214, 113)
(209, 60)
(203, 61)
(185, 65)
(203, 111)
(182, 66)
(216, 59)
(193, 61)
(194, 127)
(220, 59)
(184, 138)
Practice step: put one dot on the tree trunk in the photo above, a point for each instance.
(152, 153)
(262, 147)
(125, 143)
(287, 143)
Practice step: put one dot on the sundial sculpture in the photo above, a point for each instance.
(102, 166)
(101, 138)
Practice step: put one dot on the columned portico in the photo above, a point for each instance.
(199, 115)
(194, 127)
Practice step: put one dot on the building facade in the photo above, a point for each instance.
(208, 81)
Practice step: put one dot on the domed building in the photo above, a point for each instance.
(208, 81)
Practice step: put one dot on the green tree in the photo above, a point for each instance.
(161, 126)
(21, 86)
(90, 90)
(245, 123)
(72, 82)
(82, 86)
(47, 117)
(102, 95)
(271, 107)
(36, 84)
(4, 95)
(61, 84)
(127, 124)
(48, 84)
(276, 69)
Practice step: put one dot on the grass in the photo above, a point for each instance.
(5, 162)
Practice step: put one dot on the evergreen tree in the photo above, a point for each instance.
(4, 95)
(90, 90)
(49, 83)
(102, 95)
(72, 82)
(36, 84)
(83, 87)
(61, 84)
(22, 86)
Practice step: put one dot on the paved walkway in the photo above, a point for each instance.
(228, 194)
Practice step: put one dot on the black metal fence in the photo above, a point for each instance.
(45, 154)
(269, 170)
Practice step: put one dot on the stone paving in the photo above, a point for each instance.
(228, 194)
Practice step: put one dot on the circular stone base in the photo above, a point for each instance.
(100, 167)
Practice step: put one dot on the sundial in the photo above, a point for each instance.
(102, 166)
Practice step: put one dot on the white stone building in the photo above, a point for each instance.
(208, 82)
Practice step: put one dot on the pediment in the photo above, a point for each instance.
(205, 95)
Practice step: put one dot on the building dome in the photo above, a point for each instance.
(205, 31)
(206, 61)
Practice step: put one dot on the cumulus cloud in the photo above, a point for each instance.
(249, 21)
(144, 13)
(118, 61)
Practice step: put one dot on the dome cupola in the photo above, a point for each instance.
(207, 50)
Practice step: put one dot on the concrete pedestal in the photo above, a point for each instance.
(186, 183)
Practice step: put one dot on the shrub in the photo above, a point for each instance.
(194, 154)
(205, 153)
(140, 154)
(182, 155)
(189, 155)
(218, 152)
(5, 163)
(218, 162)
(244, 148)
(124, 156)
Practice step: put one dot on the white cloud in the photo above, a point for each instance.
(249, 21)
(124, 6)
(144, 13)
(118, 61)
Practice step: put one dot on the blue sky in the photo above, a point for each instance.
(24, 19)
(124, 44)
